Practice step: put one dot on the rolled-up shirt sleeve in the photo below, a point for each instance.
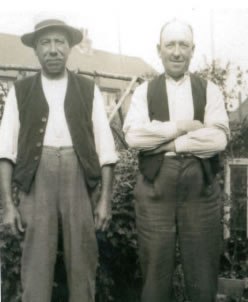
(140, 132)
(9, 128)
(213, 138)
(104, 141)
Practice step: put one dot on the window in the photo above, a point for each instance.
(236, 189)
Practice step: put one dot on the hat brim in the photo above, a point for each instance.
(74, 34)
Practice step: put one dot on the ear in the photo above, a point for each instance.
(35, 51)
(193, 50)
(159, 50)
(35, 43)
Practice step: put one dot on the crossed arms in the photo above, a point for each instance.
(181, 136)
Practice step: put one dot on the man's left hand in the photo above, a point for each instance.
(102, 214)
(166, 147)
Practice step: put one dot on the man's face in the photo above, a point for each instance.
(176, 49)
(52, 49)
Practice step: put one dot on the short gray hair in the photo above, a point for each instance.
(173, 21)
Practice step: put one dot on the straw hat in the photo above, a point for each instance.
(74, 34)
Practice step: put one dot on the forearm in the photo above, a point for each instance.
(150, 135)
(6, 171)
(102, 212)
(107, 182)
(11, 217)
(204, 143)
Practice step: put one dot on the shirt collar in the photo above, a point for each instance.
(48, 80)
(181, 81)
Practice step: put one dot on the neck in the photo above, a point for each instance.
(176, 78)
(54, 76)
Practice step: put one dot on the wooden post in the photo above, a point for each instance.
(123, 97)
(227, 207)
(240, 109)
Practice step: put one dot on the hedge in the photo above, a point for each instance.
(118, 277)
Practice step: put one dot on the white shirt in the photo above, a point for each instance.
(57, 133)
(143, 134)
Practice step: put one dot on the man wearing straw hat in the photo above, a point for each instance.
(56, 145)
(178, 123)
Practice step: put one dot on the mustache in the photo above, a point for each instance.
(56, 58)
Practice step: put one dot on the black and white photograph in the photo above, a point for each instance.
(123, 151)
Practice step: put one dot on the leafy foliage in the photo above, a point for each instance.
(119, 277)
(234, 258)
(222, 76)
(118, 246)
(10, 265)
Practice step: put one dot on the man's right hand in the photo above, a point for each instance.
(185, 126)
(12, 219)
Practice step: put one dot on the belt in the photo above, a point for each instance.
(178, 155)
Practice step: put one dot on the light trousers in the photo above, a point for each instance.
(58, 193)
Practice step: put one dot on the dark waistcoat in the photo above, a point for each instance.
(33, 115)
(159, 110)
